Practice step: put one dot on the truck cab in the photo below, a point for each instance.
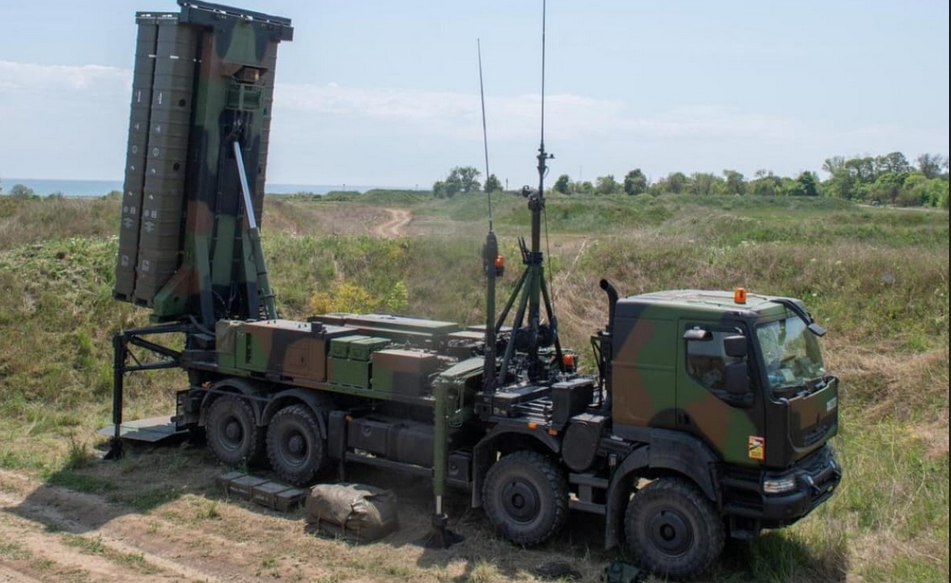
(739, 380)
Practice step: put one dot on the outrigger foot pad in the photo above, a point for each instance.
(115, 452)
(441, 537)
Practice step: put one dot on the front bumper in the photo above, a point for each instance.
(816, 478)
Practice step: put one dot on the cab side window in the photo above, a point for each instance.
(706, 358)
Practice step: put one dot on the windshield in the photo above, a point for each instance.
(791, 354)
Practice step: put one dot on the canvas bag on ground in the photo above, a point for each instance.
(354, 511)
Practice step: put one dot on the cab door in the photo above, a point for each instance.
(716, 396)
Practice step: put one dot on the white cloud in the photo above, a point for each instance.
(570, 116)
(30, 77)
(452, 115)
(42, 105)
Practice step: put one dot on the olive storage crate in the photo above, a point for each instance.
(362, 349)
(353, 373)
(340, 347)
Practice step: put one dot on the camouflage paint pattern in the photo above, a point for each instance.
(651, 386)
(216, 86)
(295, 350)
(402, 371)
(333, 358)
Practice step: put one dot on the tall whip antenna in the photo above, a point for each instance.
(542, 168)
(543, 156)
(543, 78)
(485, 135)
(491, 260)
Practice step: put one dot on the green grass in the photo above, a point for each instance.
(89, 545)
(13, 551)
(152, 497)
(80, 482)
(95, 546)
(876, 278)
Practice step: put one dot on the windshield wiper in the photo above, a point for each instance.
(803, 315)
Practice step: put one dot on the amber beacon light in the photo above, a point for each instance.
(739, 295)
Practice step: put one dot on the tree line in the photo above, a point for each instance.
(889, 179)
(462, 180)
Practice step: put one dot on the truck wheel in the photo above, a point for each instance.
(294, 445)
(231, 431)
(673, 529)
(526, 497)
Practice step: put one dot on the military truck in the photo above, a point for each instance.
(709, 416)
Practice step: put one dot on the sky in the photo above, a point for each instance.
(379, 92)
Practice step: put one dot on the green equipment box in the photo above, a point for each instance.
(350, 373)
(363, 348)
(403, 372)
(340, 347)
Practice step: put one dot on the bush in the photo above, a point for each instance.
(22, 192)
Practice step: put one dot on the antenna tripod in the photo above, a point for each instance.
(531, 286)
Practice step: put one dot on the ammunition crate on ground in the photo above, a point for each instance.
(273, 495)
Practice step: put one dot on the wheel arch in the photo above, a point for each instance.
(667, 454)
(319, 404)
(234, 386)
(504, 440)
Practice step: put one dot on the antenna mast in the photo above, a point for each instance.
(485, 135)
(531, 335)
(491, 260)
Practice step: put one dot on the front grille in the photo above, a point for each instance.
(816, 433)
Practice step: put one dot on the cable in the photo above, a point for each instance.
(551, 274)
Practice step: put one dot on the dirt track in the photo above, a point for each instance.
(399, 218)
(52, 534)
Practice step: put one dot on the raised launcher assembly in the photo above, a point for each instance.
(201, 111)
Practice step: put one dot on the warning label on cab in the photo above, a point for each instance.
(756, 447)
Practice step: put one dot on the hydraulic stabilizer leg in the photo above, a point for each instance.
(440, 537)
(119, 349)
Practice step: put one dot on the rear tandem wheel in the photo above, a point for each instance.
(295, 448)
(231, 431)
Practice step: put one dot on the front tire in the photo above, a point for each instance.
(526, 498)
(673, 529)
(232, 434)
(294, 445)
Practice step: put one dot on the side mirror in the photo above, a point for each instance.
(735, 379)
(735, 346)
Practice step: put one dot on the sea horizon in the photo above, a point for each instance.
(91, 188)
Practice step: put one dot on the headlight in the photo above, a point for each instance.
(779, 485)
